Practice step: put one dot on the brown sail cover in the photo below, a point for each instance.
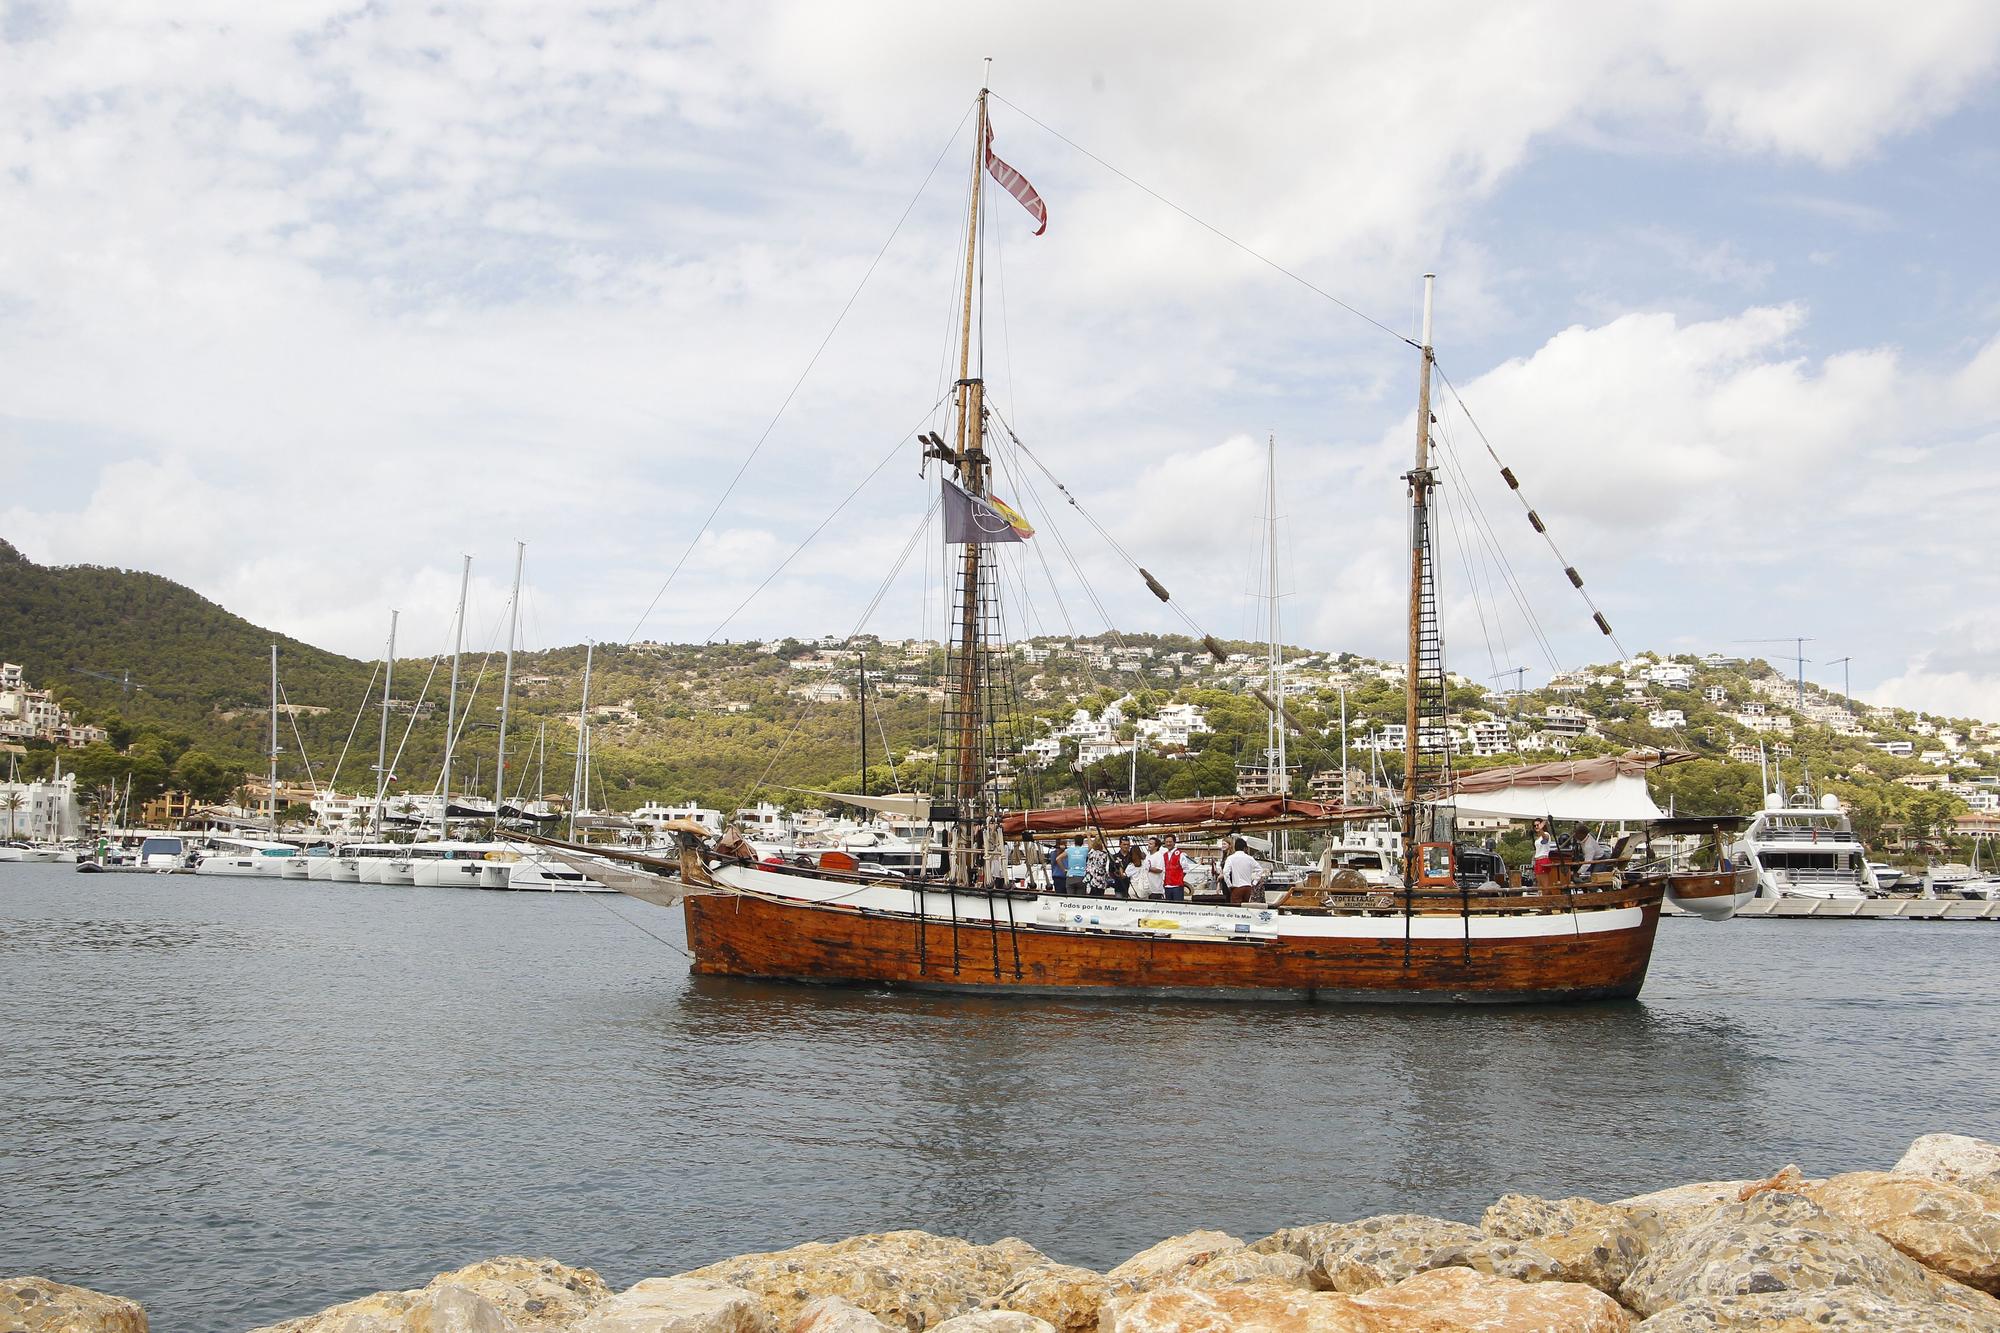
(1218, 813)
(1559, 771)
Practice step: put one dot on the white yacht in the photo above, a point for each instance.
(451, 864)
(1375, 854)
(22, 851)
(248, 857)
(162, 851)
(1887, 876)
(1804, 849)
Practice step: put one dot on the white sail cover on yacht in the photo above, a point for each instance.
(1612, 788)
(910, 805)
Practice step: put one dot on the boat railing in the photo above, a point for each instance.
(1821, 836)
(1815, 875)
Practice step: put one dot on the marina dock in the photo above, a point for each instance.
(1866, 909)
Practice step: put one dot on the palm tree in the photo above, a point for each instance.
(11, 803)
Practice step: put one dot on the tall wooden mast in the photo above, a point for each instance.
(971, 464)
(1423, 610)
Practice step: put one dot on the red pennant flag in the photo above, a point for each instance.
(1014, 183)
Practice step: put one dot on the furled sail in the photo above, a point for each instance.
(1219, 815)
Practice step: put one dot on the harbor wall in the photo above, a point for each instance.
(1915, 1246)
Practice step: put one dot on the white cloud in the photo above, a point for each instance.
(355, 288)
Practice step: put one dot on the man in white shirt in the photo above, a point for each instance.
(1147, 879)
(1242, 874)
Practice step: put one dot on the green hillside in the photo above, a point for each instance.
(726, 723)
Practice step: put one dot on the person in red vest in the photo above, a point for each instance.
(1173, 871)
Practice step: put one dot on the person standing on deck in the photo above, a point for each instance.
(1146, 876)
(1242, 874)
(1097, 870)
(1058, 871)
(1173, 871)
(1123, 866)
(1076, 865)
(1545, 849)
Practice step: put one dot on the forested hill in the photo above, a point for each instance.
(191, 661)
(725, 723)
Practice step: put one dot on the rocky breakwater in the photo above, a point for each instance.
(1916, 1247)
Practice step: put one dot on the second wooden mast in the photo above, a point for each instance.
(971, 463)
(1426, 649)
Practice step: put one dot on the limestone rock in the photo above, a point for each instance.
(830, 1314)
(37, 1305)
(1165, 1261)
(908, 1279)
(1522, 1260)
(1459, 1300)
(537, 1295)
(1068, 1298)
(1957, 1159)
(1237, 1267)
(1788, 1180)
(1809, 1312)
(1256, 1308)
(448, 1308)
(1360, 1256)
(994, 1321)
(530, 1295)
(1587, 1241)
(381, 1312)
(1943, 1227)
(679, 1305)
(1775, 1242)
(1675, 1205)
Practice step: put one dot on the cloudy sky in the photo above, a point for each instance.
(300, 302)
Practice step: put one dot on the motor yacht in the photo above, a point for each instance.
(1802, 848)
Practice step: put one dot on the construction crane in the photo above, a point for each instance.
(1846, 693)
(1520, 677)
(1798, 642)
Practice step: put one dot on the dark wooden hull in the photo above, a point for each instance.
(765, 938)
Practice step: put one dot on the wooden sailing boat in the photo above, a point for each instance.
(1440, 938)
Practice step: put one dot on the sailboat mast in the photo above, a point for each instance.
(864, 721)
(451, 699)
(507, 686)
(971, 465)
(1420, 492)
(1280, 785)
(382, 743)
(271, 788)
(579, 790)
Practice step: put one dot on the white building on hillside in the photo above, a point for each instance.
(40, 811)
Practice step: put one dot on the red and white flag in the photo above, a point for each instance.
(1014, 183)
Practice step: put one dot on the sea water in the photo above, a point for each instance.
(243, 1100)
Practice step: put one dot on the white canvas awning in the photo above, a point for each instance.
(1612, 788)
(1622, 799)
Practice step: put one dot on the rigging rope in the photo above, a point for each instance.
(1211, 227)
(772, 425)
(1490, 540)
(334, 781)
(293, 717)
(1534, 519)
(833, 514)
